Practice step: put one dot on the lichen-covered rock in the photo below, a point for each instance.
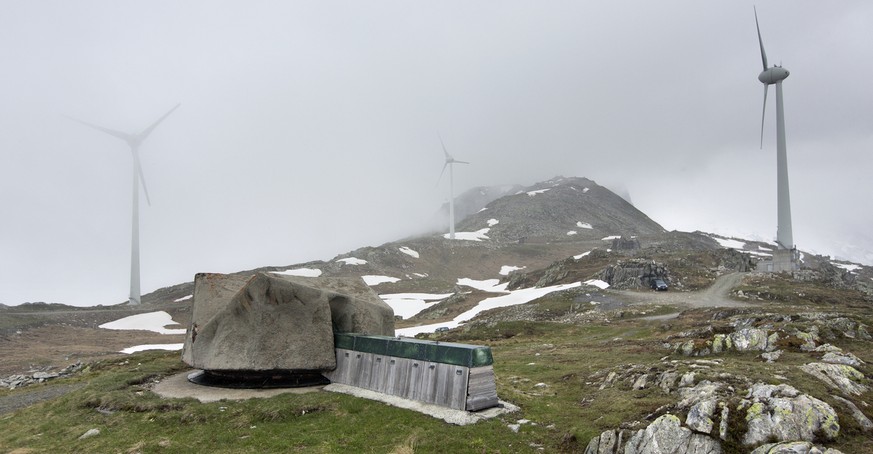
(608, 442)
(641, 382)
(749, 339)
(771, 357)
(845, 378)
(701, 401)
(667, 380)
(719, 343)
(666, 435)
(793, 447)
(699, 417)
(782, 413)
(687, 379)
(856, 413)
(841, 358)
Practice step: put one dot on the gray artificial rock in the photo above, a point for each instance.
(276, 322)
(845, 378)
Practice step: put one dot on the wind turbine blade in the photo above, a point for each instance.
(154, 125)
(141, 176)
(441, 174)
(763, 113)
(460, 162)
(121, 135)
(760, 41)
(448, 156)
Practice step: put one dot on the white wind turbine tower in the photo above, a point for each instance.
(134, 141)
(784, 259)
(450, 161)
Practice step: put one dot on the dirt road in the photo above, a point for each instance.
(715, 296)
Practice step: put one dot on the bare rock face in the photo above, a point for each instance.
(783, 413)
(272, 322)
(664, 435)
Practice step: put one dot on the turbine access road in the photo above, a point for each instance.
(714, 296)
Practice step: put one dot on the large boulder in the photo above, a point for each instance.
(271, 322)
(793, 447)
(664, 436)
(845, 378)
(781, 412)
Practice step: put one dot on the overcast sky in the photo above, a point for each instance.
(308, 129)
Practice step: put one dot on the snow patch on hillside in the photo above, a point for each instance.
(409, 252)
(577, 257)
(506, 269)
(597, 283)
(352, 261)
(301, 272)
(493, 222)
(184, 298)
(487, 285)
(538, 191)
(478, 235)
(572, 232)
(513, 298)
(583, 225)
(141, 348)
(376, 280)
(728, 243)
(611, 237)
(850, 267)
(150, 321)
(409, 304)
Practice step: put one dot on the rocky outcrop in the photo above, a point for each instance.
(793, 447)
(664, 435)
(846, 379)
(781, 412)
(741, 340)
(634, 273)
(39, 376)
(709, 408)
(275, 322)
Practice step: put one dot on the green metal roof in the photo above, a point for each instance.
(423, 350)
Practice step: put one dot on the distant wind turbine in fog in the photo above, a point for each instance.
(450, 161)
(133, 141)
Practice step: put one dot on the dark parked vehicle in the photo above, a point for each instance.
(659, 284)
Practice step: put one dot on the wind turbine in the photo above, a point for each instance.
(133, 141)
(774, 76)
(450, 161)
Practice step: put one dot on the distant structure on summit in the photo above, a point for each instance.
(134, 141)
(785, 256)
(450, 161)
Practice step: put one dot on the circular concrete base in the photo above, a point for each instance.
(178, 386)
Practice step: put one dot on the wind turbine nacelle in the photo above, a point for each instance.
(772, 75)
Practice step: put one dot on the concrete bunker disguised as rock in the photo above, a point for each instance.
(270, 325)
